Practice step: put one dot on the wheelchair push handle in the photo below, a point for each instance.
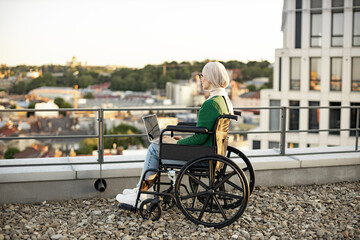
(237, 113)
(183, 128)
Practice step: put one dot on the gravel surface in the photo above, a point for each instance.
(304, 212)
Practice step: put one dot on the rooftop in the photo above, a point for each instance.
(302, 212)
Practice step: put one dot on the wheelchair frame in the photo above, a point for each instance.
(209, 204)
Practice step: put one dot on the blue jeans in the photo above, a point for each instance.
(151, 161)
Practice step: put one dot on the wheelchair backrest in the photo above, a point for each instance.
(221, 134)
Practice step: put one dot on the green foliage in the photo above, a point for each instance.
(31, 106)
(10, 152)
(149, 77)
(62, 104)
(123, 141)
(87, 146)
(89, 95)
(251, 87)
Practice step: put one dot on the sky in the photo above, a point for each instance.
(134, 33)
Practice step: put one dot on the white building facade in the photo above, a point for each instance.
(319, 65)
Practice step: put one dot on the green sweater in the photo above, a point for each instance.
(209, 112)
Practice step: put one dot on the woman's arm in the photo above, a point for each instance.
(207, 116)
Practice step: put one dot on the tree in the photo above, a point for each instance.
(87, 146)
(62, 104)
(251, 87)
(89, 95)
(123, 141)
(9, 154)
(85, 80)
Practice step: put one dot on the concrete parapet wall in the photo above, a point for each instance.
(40, 183)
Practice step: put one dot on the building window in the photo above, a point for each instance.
(337, 27)
(315, 73)
(294, 73)
(353, 118)
(314, 116)
(298, 24)
(274, 115)
(273, 145)
(355, 79)
(356, 23)
(316, 23)
(256, 144)
(280, 64)
(294, 115)
(335, 117)
(336, 73)
(293, 145)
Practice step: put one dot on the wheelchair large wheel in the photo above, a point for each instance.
(248, 170)
(219, 199)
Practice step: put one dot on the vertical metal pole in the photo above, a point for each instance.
(357, 129)
(283, 131)
(101, 138)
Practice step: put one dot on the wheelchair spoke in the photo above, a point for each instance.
(219, 206)
(226, 178)
(229, 195)
(197, 181)
(204, 207)
(193, 195)
(235, 186)
(245, 169)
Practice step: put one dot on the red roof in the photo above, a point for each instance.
(7, 131)
(101, 86)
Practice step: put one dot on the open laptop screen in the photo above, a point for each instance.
(152, 127)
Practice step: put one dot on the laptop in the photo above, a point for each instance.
(152, 128)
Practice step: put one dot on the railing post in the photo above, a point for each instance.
(101, 136)
(283, 131)
(357, 129)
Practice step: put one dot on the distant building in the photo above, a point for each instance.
(48, 105)
(317, 66)
(65, 93)
(182, 92)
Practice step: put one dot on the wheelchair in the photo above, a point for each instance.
(205, 184)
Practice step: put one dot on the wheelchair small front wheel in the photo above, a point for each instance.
(217, 198)
(150, 209)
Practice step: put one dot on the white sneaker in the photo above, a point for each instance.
(131, 191)
(129, 199)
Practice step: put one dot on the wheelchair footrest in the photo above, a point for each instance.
(127, 207)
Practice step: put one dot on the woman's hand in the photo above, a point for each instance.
(177, 137)
(167, 139)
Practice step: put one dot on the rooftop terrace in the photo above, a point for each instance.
(328, 211)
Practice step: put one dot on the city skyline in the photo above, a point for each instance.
(137, 33)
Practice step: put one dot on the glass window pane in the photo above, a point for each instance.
(336, 68)
(353, 117)
(356, 69)
(357, 23)
(274, 145)
(294, 116)
(338, 24)
(356, 41)
(316, 22)
(315, 73)
(314, 116)
(337, 41)
(357, 3)
(274, 115)
(316, 3)
(337, 3)
(335, 117)
(316, 41)
(295, 68)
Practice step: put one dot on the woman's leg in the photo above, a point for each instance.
(151, 161)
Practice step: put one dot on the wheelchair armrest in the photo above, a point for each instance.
(186, 129)
(187, 124)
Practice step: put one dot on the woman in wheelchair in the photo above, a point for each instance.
(209, 141)
(215, 79)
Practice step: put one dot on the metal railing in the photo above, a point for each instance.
(100, 135)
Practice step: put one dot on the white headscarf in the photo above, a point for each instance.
(216, 74)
